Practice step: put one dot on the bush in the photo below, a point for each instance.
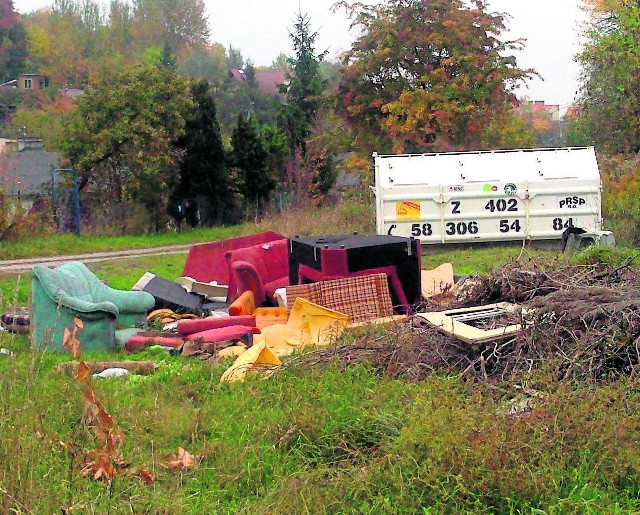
(620, 200)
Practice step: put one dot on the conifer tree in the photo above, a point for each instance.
(304, 85)
(251, 159)
(203, 174)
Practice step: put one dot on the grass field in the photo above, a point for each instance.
(321, 439)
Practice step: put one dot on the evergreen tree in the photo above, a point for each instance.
(168, 57)
(250, 74)
(304, 85)
(609, 111)
(204, 183)
(235, 61)
(251, 159)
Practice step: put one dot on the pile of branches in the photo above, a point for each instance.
(579, 322)
(520, 283)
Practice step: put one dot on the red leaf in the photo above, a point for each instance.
(83, 371)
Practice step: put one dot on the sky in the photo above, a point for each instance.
(260, 29)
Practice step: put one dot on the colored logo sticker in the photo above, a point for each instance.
(489, 188)
(408, 210)
(510, 189)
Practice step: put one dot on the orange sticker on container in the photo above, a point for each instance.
(408, 210)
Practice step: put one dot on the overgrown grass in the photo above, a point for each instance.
(317, 440)
(357, 216)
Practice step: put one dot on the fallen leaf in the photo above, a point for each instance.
(144, 475)
(83, 371)
(66, 337)
(183, 460)
(104, 419)
(90, 397)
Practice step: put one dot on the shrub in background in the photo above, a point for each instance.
(620, 199)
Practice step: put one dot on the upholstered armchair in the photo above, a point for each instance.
(71, 291)
(261, 269)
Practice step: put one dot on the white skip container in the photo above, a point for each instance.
(501, 195)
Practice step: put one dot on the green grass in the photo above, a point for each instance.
(315, 439)
(65, 244)
(357, 216)
(481, 260)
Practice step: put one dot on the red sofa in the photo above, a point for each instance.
(206, 261)
(261, 268)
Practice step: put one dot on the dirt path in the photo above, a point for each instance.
(15, 266)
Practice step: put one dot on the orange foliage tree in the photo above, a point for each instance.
(428, 74)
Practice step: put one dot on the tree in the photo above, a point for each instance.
(281, 62)
(13, 42)
(304, 85)
(47, 121)
(205, 62)
(203, 173)
(177, 23)
(235, 61)
(121, 139)
(610, 95)
(427, 74)
(277, 149)
(68, 44)
(251, 159)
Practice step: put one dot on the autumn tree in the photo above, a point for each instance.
(68, 43)
(121, 138)
(304, 85)
(175, 22)
(610, 61)
(13, 42)
(203, 175)
(427, 74)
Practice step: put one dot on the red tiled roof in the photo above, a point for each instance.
(267, 80)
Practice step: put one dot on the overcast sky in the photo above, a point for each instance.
(260, 28)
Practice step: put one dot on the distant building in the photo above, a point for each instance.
(539, 106)
(25, 168)
(31, 82)
(267, 80)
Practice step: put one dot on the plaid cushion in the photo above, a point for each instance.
(301, 290)
(17, 321)
(357, 297)
(384, 297)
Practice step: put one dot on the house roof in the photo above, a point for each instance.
(72, 93)
(267, 80)
(27, 172)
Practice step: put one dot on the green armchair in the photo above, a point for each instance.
(72, 291)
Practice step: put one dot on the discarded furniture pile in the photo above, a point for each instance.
(256, 298)
(259, 298)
